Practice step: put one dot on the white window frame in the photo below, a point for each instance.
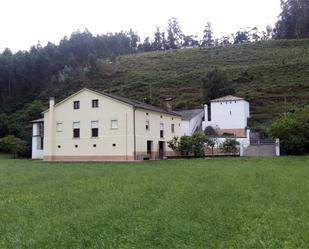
(59, 127)
(114, 121)
(147, 123)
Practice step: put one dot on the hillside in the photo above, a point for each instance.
(265, 73)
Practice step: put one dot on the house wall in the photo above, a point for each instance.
(36, 142)
(229, 116)
(185, 127)
(189, 126)
(153, 134)
(108, 110)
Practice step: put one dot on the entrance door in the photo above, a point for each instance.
(149, 149)
(161, 150)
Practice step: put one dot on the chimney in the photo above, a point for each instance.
(51, 102)
(168, 104)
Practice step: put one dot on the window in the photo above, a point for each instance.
(173, 128)
(114, 124)
(147, 125)
(95, 103)
(230, 112)
(94, 128)
(76, 128)
(58, 127)
(76, 104)
(161, 130)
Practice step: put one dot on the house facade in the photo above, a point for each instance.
(94, 126)
(228, 116)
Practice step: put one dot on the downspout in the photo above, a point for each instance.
(134, 134)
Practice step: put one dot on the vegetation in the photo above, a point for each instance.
(187, 145)
(293, 131)
(294, 20)
(230, 146)
(205, 203)
(216, 84)
(13, 145)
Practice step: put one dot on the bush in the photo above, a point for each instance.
(13, 145)
(230, 146)
(293, 131)
(187, 145)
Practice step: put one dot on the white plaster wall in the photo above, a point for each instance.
(228, 115)
(108, 110)
(185, 128)
(153, 134)
(188, 126)
(36, 153)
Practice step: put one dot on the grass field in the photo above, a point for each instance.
(204, 203)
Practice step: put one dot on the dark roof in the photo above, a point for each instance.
(227, 98)
(139, 104)
(189, 114)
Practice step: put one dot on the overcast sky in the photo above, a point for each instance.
(25, 22)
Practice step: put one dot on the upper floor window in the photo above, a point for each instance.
(172, 128)
(76, 104)
(147, 125)
(94, 128)
(114, 124)
(161, 130)
(58, 126)
(95, 103)
(76, 129)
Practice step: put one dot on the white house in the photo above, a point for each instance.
(191, 121)
(97, 126)
(228, 115)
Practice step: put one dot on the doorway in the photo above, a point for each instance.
(161, 150)
(149, 148)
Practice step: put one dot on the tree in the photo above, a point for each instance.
(207, 36)
(145, 46)
(134, 40)
(13, 145)
(241, 37)
(293, 131)
(293, 21)
(158, 40)
(174, 33)
(189, 41)
(198, 141)
(216, 85)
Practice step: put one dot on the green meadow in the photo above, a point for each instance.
(202, 203)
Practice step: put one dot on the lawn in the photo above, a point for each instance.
(204, 203)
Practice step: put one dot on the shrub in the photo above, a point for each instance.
(293, 131)
(189, 145)
(230, 146)
(198, 141)
(13, 145)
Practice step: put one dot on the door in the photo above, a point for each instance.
(161, 150)
(149, 149)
